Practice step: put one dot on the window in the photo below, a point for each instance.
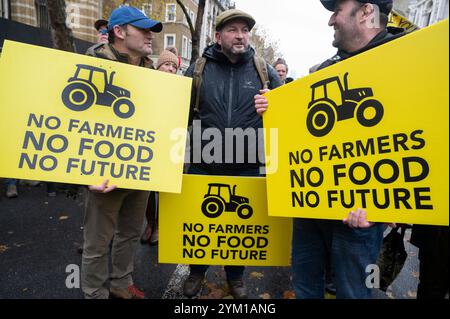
(99, 80)
(147, 9)
(185, 20)
(169, 40)
(184, 48)
(426, 15)
(318, 93)
(171, 13)
(84, 74)
(189, 55)
(192, 16)
(416, 16)
(43, 20)
(4, 9)
(334, 92)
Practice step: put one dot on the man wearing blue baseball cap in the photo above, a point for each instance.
(353, 244)
(130, 34)
(129, 15)
(112, 214)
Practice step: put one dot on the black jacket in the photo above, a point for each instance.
(384, 36)
(227, 101)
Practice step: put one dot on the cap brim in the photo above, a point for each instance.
(250, 22)
(155, 26)
(329, 4)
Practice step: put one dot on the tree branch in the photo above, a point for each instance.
(61, 35)
(188, 17)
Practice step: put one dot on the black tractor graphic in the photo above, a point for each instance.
(325, 108)
(90, 86)
(221, 198)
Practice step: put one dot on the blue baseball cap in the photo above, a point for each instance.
(135, 17)
(384, 5)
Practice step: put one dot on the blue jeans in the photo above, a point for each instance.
(10, 181)
(233, 272)
(350, 250)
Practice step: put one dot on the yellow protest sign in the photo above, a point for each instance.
(219, 220)
(71, 118)
(399, 21)
(352, 136)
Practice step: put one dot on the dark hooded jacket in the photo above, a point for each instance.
(227, 101)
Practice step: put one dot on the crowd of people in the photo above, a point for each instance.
(114, 218)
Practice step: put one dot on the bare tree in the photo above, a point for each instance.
(264, 46)
(61, 35)
(197, 30)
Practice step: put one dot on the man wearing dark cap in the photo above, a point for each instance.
(355, 243)
(116, 214)
(225, 96)
(101, 26)
(353, 36)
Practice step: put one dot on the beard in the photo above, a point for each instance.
(235, 51)
(344, 38)
(239, 51)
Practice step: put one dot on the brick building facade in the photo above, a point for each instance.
(81, 15)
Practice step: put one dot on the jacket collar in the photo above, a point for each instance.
(382, 37)
(125, 58)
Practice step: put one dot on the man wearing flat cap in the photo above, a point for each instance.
(224, 101)
(112, 214)
(355, 243)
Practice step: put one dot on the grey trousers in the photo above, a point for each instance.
(117, 216)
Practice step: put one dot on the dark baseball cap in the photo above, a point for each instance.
(131, 15)
(100, 23)
(384, 5)
(233, 14)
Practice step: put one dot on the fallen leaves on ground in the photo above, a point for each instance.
(329, 296)
(214, 292)
(63, 217)
(265, 295)
(412, 294)
(3, 248)
(390, 295)
(257, 275)
(289, 294)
